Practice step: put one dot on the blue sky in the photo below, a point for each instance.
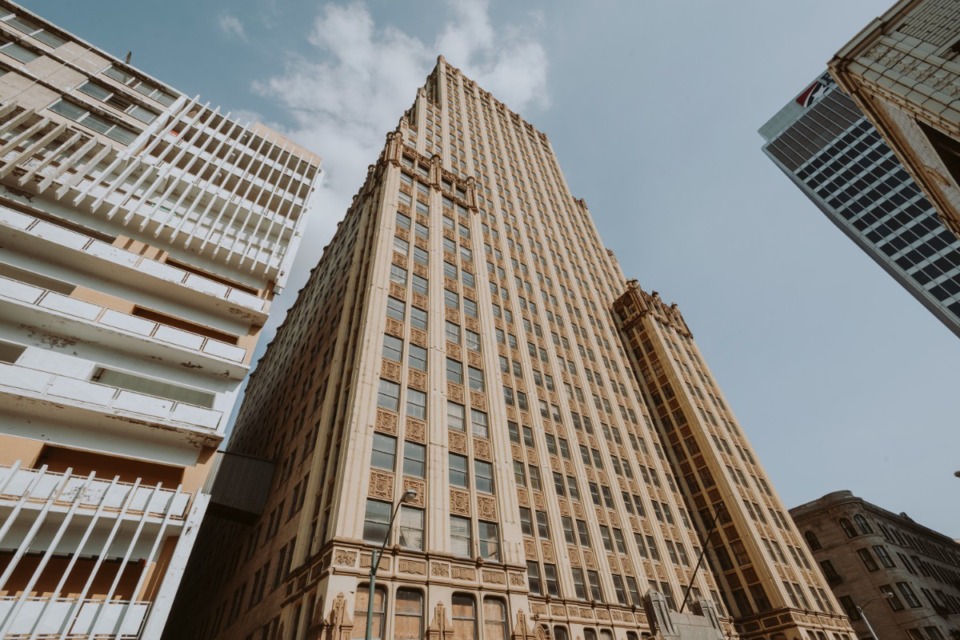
(840, 379)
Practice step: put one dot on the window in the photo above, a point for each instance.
(533, 578)
(360, 612)
(495, 620)
(398, 275)
(452, 332)
(483, 476)
(550, 577)
(392, 348)
(396, 309)
(862, 524)
(884, 557)
(583, 533)
(489, 537)
(908, 595)
(455, 416)
(17, 51)
(851, 609)
(596, 593)
(543, 527)
(85, 117)
(416, 404)
(421, 285)
(417, 358)
(478, 424)
(458, 471)
(408, 619)
(384, 451)
(411, 528)
(376, 521)
(32, 29)
(579, 586)
(526, 521)
(388, 396)
(461, 540)
(812, 541)
(867, 558)
(418, 318)
(847, 528)
(464, 615)
(140, 86)
(567, 524)
(454, 371)
(891, 595)
(472, 340)
(413, 459)
(476, 379)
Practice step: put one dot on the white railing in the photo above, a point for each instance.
(24, 381)
(50, 487)
(116, 321)
(71, 618)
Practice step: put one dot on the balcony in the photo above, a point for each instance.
(71, 618)
(61, 314)
(67, 399)
(102, 258)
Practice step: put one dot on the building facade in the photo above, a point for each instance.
(457, 359)
(903, 71)
(830, 150)
(143, 235)
(868, 553)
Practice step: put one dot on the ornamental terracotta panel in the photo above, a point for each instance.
(405, 188)
(478, 400)
(494, 577)
(453, 351)
(451, 314)
(402, 233)
(455, 392)
(473, 324)
(511, 413)
(468, 292)
(474, 359)
(464, 573)
(481, 449)
(399, 259)
(457, 442)
(612, 562)
(516, 452)
(415, 430)
(394, 328)
(390, 370)
(418, 337)
(413, 567)
(421, 243)
(419, 269)
(417, 380)
(558, 610)
(518, 580)
(419, 300)
(386, 422)
(403, 208)
(450, 257)
(547, 548)
(530, 549)
(522, 497)
(449, 234)
(424, 220)
(538, 500)
(588, 559)
(398, 291)
(459, 502)
(419, 486)
(486, 508)
(381, 485)
(345, 557)
(467, 266)
(564, 507)
(451, 284)
(440, 569)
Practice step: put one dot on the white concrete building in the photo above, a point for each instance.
(143, 235)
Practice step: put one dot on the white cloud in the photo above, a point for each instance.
(358, 78)
(231, 25)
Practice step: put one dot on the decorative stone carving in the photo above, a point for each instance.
(511, 413)
(481, 448)
(523, 498)
(547, 548)
(366, 559)
(588, 559)
(419, 338)
(402, 233)
(386, 422)
(558, 610)
(398, 291)
(416, 430)
(453, 315)
(494, 577)
(420, 487)
(455, 392)
(457, 442)
(403, 208)
(478, 400)
(450, 257)
(574, 557)
(424, 220)
(394, 328)
(453, 351)
(449, 234)
(474, 359)
(516, 452)
(399, 259)
(338, 625)
(418, 268)
(419, 300)
(381, 485)
(471, 294)
(440, 569)
(390, 370)
(529, 549)
(602, 614)
(413, 567)
(538, 500)
(473, 325)
(344, 558)
(518, 580)
(487, 508)
(440, 628)
(564, 508)
(459, 502)
(578, 510)
(464, 573)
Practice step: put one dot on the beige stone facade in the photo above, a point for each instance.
(458, 338)
(903, 70)
(910, 574)
(143, 236)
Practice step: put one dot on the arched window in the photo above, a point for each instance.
(360, 612)
(408, 618)
(606, 634)
(847, 528)
(812, 541)
(589, 634)
(862, 524)
(560, 633)
(495, 619)
(631, 635)
(464, 616)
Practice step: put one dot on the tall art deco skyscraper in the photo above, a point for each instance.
(467, 352)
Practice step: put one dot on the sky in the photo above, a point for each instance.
(840, 379)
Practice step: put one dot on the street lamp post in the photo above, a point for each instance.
(860, 610)
(408, 496)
